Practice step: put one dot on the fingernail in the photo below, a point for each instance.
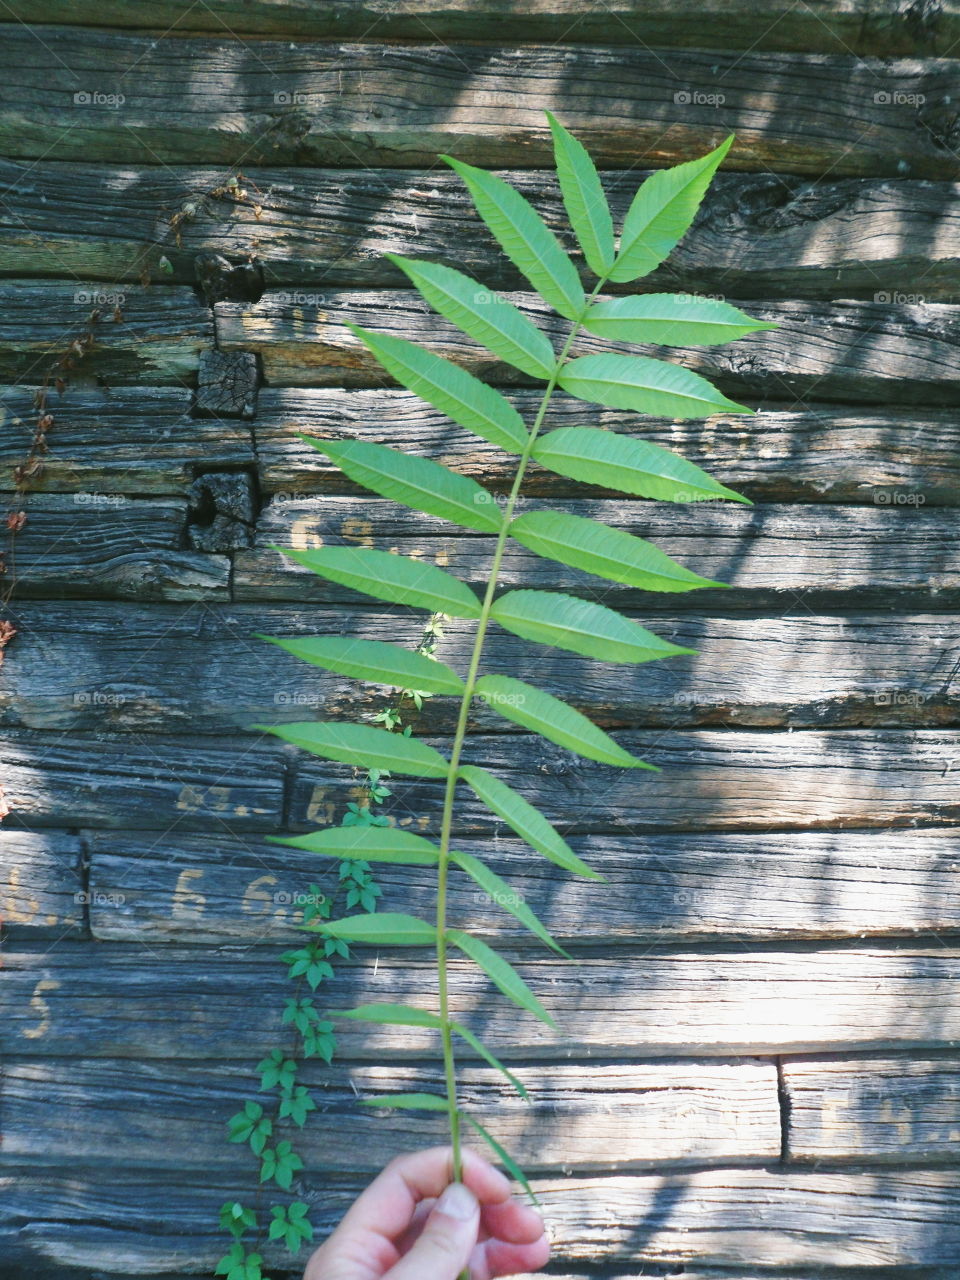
(458, 1202)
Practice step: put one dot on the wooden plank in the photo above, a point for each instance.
(773, 557)
(223, 101)
(95, 666)
(834, 26)
(103, 544)
(832, 453)
(52, 780)
(156, 336)
(147, 1001)
(759, 235)
(664, 887)
(711, 781)
(874, 352)
(41, 885)
(140, 1115)
(891, 1109)
(128, 440)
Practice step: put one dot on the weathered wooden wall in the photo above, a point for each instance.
(760, 1070)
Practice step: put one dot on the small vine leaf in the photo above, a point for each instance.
(479, 1047)
(594, 456)
(583, 198)
(649, 386)
(525, 238)
(397, 579)
(671, 320)
(484, 315)
(503, 1156)
(407, 1101)
(567, 622)
(396, 1015)
(500, 892)
(544, 714)
(468, 401)
(528, 822)
(362, 745)
(501, 973)
(662, 212)
(391, 928)
(374, 660)
(600, 549)
(419, 483)
(368, 843)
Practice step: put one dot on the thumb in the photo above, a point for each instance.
(447, 1240)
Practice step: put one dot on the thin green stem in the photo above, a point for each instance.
(460, 733)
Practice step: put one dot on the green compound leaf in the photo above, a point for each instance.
(501, 973)
(407, 1101)
(373, 660)
(394, 1015)
(391, 928)
(504, 895)
(662, 212)
(525, 238)
(452, 390)
(485, 316)
(503, 1156)
(544, 714)
(671, 320)
(607, 552)
(478, 1045)
(397, 579)
(631, 466)
(415, 482)
(368, 843)
(552, 618)
(362, 745)
(583, 198)
(528, 822)
(649, 386)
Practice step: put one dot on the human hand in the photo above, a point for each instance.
(414, 1223)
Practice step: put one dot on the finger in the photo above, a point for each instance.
(512, 1221)
(499, 1258)
(447, 1240)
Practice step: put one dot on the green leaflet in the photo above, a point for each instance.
(487, 1056)
(485, 316)
(503, 1155)
(398, 579)
(671, 320)
(363, 745)
(371, 844)
(544, 714)
(373, 660)
(583, 198)
(390, 928)
(632, 466)
(654, 387)
(501, 973)
(552, 618)
(452, 390)
(528, 822)
(415, 482)
(525, 238)
(500, 892)
(406, 1101)
(661, 214)
(397, 1015)
(607, 552)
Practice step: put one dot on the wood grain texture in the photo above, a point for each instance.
(220, 101)
(138, 669)
(221, 889)
(873, 352)
(759, 235)
(827, 453)
(42, 892)
(889, 1109)
(626, 1116)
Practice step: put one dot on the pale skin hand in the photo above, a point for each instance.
(396, 1230)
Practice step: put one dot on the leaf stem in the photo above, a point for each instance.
(461, 730)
